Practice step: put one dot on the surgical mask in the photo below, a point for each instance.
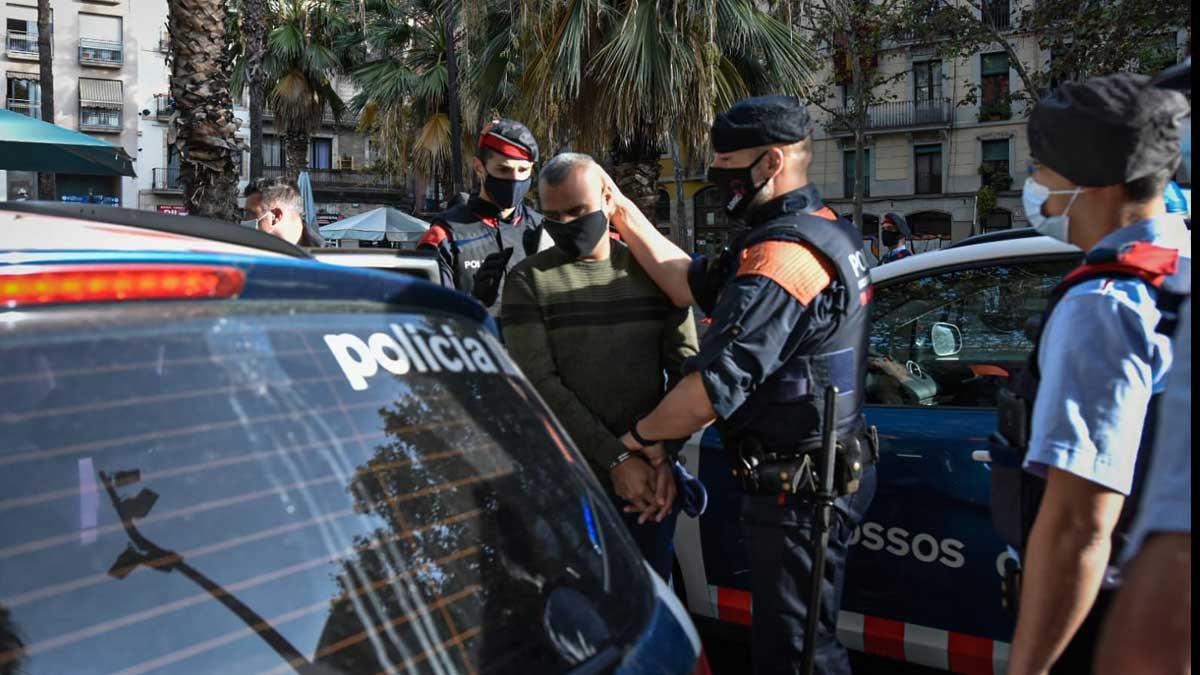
(737, 186)
(1034, 196)
(253, 222)
(578, 237)
(505, 193)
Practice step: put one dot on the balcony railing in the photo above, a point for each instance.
(22, 45)
(344, 179)
(164, 106)
(101, 53)
(164, 41)
(25, 107)
(168, 179)
(897, 115)
(997, 13)
(104, 120)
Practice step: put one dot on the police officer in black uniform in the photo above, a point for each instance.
(790, 302)
(478, 241)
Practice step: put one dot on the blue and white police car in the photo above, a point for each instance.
(923, 581)
(218, 455)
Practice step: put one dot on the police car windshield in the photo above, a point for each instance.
(269, 487)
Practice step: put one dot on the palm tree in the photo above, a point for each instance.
(254, 19)
(401, 64)
(45, 37)
(626, 76)
(301, 61)
(201, 68)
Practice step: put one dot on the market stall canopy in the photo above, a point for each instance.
(375, 225)
(28, 144)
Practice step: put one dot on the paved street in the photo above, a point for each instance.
(730, 655)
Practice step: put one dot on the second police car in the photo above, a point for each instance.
(924, 576)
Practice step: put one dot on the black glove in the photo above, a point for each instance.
(487, 280)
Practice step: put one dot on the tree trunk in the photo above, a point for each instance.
(860, 139)
(46, 187)
(637, 179)
(449, 25)
(201, 69)
(255, 15)
(684, 234)
(295, 154)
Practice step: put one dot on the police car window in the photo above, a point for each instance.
(251, 491)
(954, 338)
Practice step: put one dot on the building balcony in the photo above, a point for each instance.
(25, 107)
(164, 41)
(22, 45)
(164, 106)
(345, 180)
(167, 180)
(101, 120)
(101, 53)
(896, 116)
(997, 14)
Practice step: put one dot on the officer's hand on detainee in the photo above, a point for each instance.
(634, 481)
(626, 209)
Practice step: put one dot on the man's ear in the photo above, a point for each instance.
(480, 169)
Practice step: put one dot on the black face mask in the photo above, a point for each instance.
(505, 193)
(890, 238)
(580, 236)
(737, 186)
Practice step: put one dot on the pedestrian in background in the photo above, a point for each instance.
(1076, 415)
(275, 207)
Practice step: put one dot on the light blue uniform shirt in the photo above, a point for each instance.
(1101, 360)
(1167, 498)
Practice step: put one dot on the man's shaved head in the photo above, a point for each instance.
(571, 185)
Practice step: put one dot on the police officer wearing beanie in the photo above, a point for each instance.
(478, 241)
(790, 303)
(1076, 426)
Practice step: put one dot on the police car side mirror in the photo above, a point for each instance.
(946, 339)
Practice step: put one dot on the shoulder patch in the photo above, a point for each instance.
(434, 236)
(794, 266)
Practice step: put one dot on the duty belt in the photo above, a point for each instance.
(759, 470)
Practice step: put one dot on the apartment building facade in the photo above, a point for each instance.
(928, 150)
(95, 49)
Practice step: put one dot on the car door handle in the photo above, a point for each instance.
(982, 456)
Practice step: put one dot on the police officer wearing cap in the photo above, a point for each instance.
(1075, 433)
(1148, 629)
(790, 303)
(479, 241)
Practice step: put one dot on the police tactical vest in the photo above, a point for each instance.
(472, 240)
(786, 411)
(1017, 494)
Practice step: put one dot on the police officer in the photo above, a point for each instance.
(790, 303)
(1148, 629)
(894, 235)
(1080, 407)
(478, 241)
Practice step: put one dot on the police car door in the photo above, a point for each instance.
(942, 344)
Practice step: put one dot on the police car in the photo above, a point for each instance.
(218, 455)
(923, 580)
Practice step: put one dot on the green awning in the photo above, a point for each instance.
(28, 144)
(100, 93)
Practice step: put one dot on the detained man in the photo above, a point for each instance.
(274, 206)
(602, 345)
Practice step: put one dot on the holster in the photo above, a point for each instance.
(762, 471)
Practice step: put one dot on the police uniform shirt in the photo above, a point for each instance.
(775, 304)
(1167, 500)
(1101, 360)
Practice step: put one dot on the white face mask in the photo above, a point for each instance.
(1034, 196)
(253, 222)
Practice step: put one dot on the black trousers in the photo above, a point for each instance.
(780, 537)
